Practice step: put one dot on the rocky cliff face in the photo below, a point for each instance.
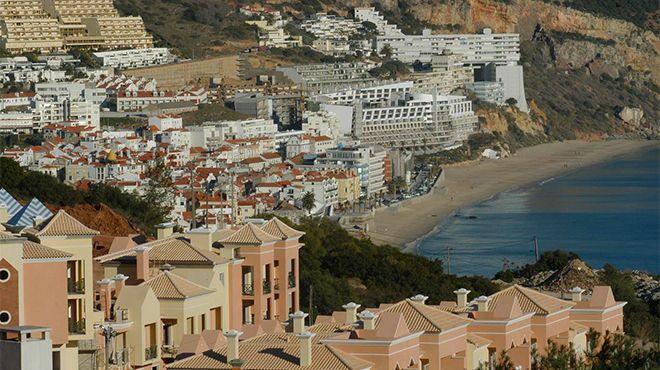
(619, 43)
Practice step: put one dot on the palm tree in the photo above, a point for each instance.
(308, 201)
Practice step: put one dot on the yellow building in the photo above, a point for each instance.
(348, 186)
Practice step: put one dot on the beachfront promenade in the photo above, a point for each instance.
(466, 184)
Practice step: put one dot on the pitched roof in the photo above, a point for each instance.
(6, 236)
(249, 234)
(25, 216)
(167, 285)
(279, 229)
(420, 317)
(262, 353)
(63, 224)
(8, 202)
(173, 250)
(32, 250)
(477, 340)
(530, 300)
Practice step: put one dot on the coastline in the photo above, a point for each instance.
(467, 184)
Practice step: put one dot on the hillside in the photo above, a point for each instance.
(591, 67)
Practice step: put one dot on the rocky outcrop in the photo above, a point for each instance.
(632, 46)
(631, 116)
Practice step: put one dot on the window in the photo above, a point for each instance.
(4, 275)
(5, 317)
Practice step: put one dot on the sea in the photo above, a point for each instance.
(606, 213)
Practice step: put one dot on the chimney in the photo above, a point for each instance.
(306, 348)
(142, 263)
(104, 288)
(298, 319)
(461, 297)
(368, 320)
(419, 298)
(236, 364)
(482, 304)
(232, 344)
(120, 282)
(164, 230)
(351, 312)
(166, 267)
(201, 237)
(576, 294)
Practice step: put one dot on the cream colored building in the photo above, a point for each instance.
(54, 25)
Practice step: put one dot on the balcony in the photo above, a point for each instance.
(248, 289)
(266, 286)
(292, 280)
(76, 287)
(77, 327)
(276, 284)
(150, 352)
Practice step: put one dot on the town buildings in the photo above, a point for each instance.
(34, 25)
(274, 36)
(322, 78)
(134, 58)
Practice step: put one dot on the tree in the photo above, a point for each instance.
(386, 52)
(308, 201)
(159, 190)
(511, 102)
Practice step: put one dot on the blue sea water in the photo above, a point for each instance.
(607, 213)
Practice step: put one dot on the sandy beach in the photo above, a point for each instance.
(470, 183)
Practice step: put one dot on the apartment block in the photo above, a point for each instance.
(323, 78)
(476, 49)
(273, 36)
(368, 162)
(488, 91)
(55, 25)
(134, 58)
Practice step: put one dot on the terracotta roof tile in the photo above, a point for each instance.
(264, 354)
(249, 234)
(279, 229)
(530, 300)
(420, 317)
(63, 224)
(167, 285)
(172, 250)
(32, 250)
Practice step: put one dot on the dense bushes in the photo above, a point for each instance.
(342, 268)
(25, 185)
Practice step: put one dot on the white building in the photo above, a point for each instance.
(488, 91)
(176, 137)
(416, 121)
(476, 49)
(368, 161)
(373, 16)
(16, 122)
(321, 123)
(135, 58)
(166, 121)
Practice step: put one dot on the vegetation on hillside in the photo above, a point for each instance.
(211, 112)
(24, 185)
(341, 268)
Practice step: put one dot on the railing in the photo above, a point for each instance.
(77, 327)
(276, 284)
(169, 350)
(77, 287)
(292, 280)
(266, 286)
(150, 352)
(248, 289)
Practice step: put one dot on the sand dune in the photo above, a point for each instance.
(470, 183)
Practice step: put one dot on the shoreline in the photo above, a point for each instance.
(469, 183)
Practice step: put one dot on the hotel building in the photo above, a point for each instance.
(54, 25)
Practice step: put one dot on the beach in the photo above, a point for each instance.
(470, 183)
